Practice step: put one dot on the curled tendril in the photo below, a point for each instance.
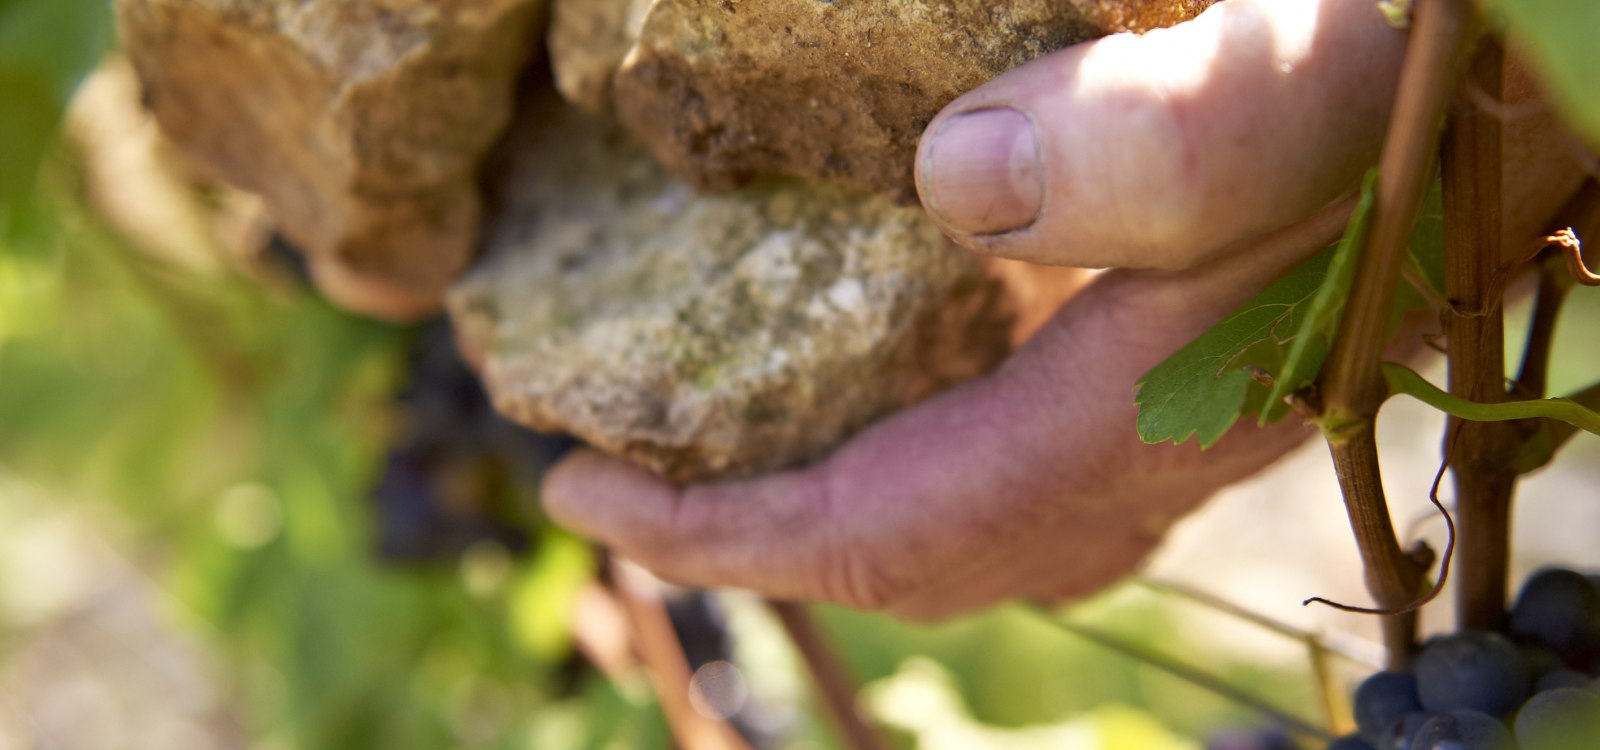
(1572, 248)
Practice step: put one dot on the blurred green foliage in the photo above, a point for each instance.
(234, 432)
(1559, 37)
(46, 48)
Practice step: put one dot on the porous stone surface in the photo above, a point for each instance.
(710, 336)
(360, 122)
(588, 41)
(834, 89)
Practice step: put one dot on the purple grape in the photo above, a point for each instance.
(1560, 719)
(1350, 742)
(1463, 730)
(1472, 670)
(1383, 699)
(1398, 735)
(1560, 609)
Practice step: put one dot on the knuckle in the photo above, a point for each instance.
(851, 573)
(857, 580)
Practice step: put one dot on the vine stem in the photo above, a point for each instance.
(1179, 670)
(1561, 432)
(1351, 385)
(665, 664)
(829, 678)
(1474, 320)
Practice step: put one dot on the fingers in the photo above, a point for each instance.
(1031, 481)
(1161, 150)
(765, 535)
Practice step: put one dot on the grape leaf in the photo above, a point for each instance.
(1314, 336)
(1202, 389)
(1286, 331)
(1558, 36)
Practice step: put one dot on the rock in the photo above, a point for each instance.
(840, 90)
(710, 336)
(360, 122)
(588, 41)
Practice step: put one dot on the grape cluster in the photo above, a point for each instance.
(455, 470)
(1538, 689)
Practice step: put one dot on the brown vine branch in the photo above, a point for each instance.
(1561, 432)
(1533, 377)
(1351, 384)
(1476, 269)
(665, 664)
(1444, 563)
(832, 683)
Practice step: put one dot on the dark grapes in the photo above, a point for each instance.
(1462, 691)
(1472, 670)
(1398, 735)
(1559, 608)
(1463, 730)
(1560, 719)
(1383, 699)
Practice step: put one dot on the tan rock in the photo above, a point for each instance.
(360, 122)
(588, 41)
(708, 336)
(840, 90)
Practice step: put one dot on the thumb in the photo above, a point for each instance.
(1165, 149)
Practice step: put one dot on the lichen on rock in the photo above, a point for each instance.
(360, 122)
(710, 336)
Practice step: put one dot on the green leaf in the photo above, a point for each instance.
(1314, 336)
(1425, 258)
(1559, 38)
(1201, 390)
(1286, 331)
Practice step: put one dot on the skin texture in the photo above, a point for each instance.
(1201, 144)
(1167, 149)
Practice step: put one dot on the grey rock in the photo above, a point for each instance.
(710, 336)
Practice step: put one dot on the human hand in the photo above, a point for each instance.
(1186, 150)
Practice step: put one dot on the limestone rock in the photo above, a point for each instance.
(360, 122)
(710, 336)
(588, 41)
(835, 89)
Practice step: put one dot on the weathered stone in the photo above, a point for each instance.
(588, 41)
(835, 89)
(709, 336)
(360, 122)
